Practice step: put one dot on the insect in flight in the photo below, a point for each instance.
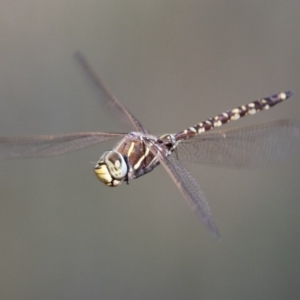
(139, 152)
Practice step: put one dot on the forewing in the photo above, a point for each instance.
(114, 106)
(191, 191)
(50, 145)
(249, 146)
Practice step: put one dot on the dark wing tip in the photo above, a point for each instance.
(210, 224)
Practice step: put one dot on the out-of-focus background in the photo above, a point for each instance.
(63, 234)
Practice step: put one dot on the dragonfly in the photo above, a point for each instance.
(139, 152)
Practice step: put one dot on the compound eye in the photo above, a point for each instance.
(116, 164)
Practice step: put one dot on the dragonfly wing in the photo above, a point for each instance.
(191, 190)
(115, 107)
(248, 146)
(50, 145)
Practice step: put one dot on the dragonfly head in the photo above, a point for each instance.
(111, 168)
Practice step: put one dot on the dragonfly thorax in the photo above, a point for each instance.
(111, 168)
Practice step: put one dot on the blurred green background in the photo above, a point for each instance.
(63, 234)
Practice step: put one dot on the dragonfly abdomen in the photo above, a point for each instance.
(233, 114)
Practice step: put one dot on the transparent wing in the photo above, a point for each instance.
(50, 145)
(191, 190)
(249, 146)
(116, 108)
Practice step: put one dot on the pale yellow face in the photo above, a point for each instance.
(111, 168)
